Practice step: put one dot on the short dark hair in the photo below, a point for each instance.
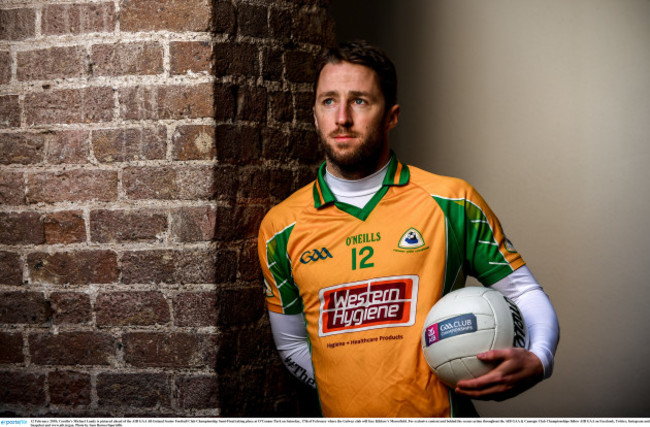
(360, 52)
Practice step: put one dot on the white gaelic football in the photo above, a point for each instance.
(464, 323)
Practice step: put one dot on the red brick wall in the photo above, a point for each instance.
(141, 142)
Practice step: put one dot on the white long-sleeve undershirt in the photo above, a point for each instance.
(290, 336)
(290, 333)
(541, 321)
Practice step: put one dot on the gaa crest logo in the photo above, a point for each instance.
(315, 255)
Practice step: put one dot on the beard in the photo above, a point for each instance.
(363, 160)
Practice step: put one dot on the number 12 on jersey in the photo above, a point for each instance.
(363, 257)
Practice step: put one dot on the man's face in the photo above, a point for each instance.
(351, 118)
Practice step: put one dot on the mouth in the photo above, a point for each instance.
(343, 136)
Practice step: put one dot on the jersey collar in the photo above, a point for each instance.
(396, 175)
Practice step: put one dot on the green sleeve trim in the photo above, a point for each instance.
(491, 277)
(279, 264)
(455, 274)
(473, 240)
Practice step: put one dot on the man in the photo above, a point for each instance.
(354, 261)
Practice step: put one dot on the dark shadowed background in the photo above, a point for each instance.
(543, 106)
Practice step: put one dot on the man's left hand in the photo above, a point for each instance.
(516, 370)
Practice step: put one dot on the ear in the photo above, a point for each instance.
(313, 109)
(392, 117)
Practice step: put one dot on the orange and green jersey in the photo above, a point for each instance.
(365, 280)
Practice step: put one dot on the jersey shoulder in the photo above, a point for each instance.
(286, 212)
(441, 186)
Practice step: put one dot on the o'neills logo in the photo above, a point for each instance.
(377, 303)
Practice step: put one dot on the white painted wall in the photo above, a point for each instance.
(544, 106)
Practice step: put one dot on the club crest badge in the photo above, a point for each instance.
(411, 239)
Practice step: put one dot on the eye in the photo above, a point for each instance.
(359, 101)
(328, 101)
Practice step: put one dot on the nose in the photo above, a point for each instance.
(343, 116)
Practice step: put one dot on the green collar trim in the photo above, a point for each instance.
(397, 175)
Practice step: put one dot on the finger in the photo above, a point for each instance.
(485, 386)
(490, 379)
(492, 393)
(493, 355)
(495, 358)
